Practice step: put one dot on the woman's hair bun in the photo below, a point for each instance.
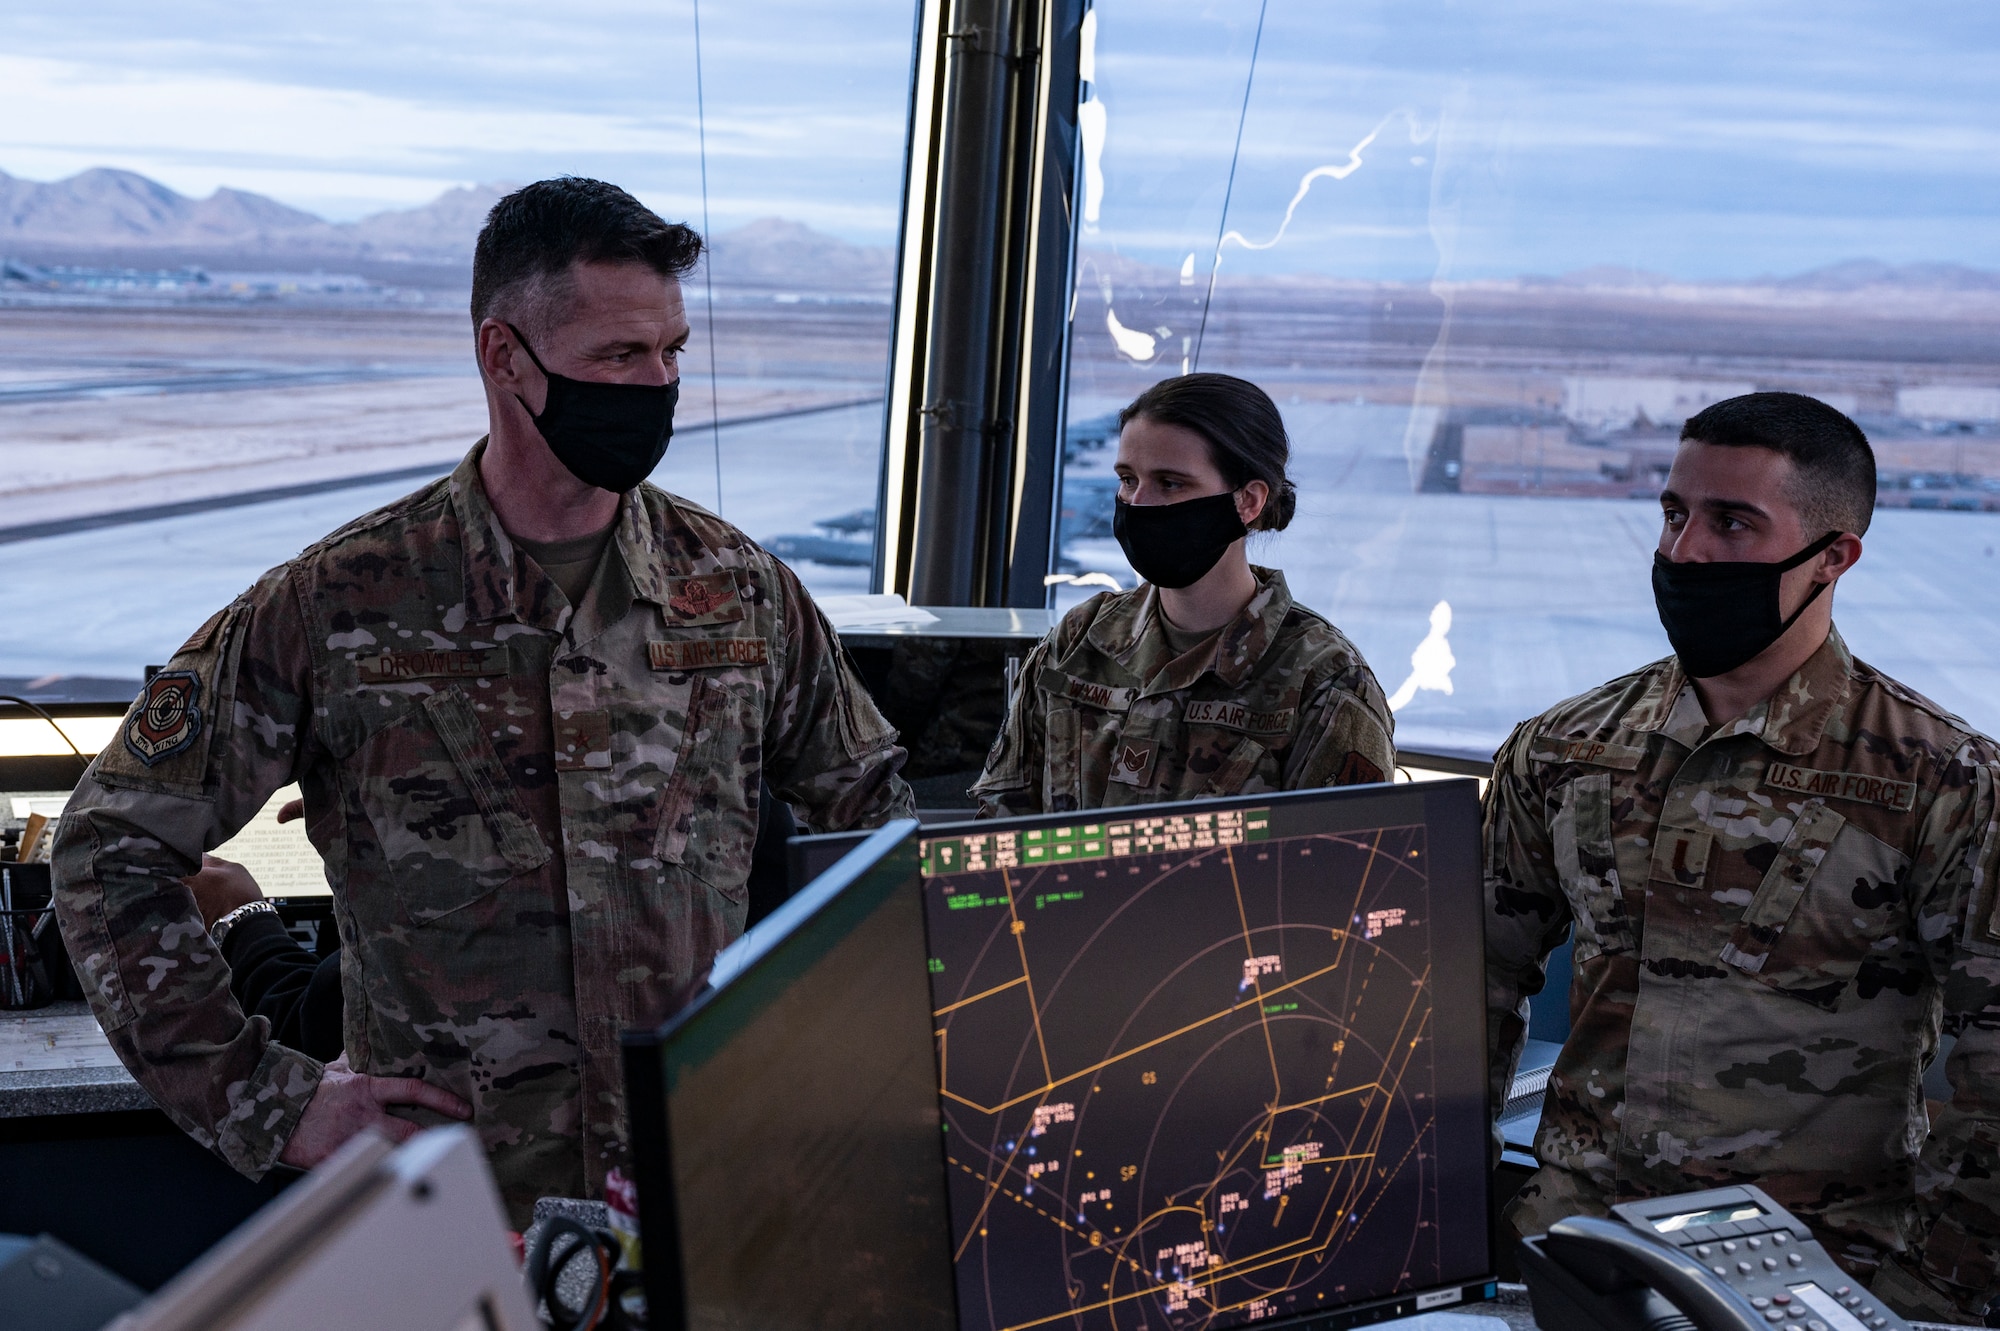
(1278, 512)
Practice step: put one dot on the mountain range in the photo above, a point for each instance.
(1847, 275)
(108, 209)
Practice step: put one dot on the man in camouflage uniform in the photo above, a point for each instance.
(1108, 712)
(1780, 878)
(536, 804)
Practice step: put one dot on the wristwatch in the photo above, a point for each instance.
(220, 929)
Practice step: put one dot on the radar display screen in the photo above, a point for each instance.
(1211, 1065)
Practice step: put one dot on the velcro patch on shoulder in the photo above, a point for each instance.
(707, 598)
(1237, 716)
(1356, 769)
(1594, 752)
(1857, 786)
(205, 634)
(167, 719)
(425, 663)
(1069, 688)
(708, 653)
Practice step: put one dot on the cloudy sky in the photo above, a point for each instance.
(349, 108)
(1702, 138)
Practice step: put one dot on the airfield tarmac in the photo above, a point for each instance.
(121, 410)
(1548, 596)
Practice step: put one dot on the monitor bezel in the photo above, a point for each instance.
(646, 1070)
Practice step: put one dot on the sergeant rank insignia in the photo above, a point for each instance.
(166, 719)
(1132, 762)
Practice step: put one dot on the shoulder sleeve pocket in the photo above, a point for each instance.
(1580, 837)
(166, 740)
(1981, 934)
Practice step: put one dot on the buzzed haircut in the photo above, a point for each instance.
(1833, 467)
(521, 263)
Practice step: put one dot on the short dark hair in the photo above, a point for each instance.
(521, 263)
(1245, 433)
(1833, 466)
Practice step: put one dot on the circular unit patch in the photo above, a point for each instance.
(166, 719)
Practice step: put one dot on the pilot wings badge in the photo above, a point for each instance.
(166, 719)
(696, 597)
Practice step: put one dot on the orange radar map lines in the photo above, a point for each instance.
(1188, 1069)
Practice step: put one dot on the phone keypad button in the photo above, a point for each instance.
(1770, 1263)
(1795, 1259)
(1753, 1243)
(1730, 1246)
(1704, 1250)
(1774, 1314)
(1760, 1302)
(1745, 1267)
(1815, 1325)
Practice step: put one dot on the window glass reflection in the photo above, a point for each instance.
(1489, 258)
(234, 260)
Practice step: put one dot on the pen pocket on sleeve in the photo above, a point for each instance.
(1588, 866)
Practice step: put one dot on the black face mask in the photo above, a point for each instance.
(1175, 545)
(608, 435)
(1719, 616)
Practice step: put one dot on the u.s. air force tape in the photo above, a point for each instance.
(1858, 786)
(707, 653)
(1237, 716)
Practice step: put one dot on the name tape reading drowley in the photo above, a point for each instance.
(424, 663)
(1039, 846)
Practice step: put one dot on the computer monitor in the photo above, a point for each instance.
(1214, 1064)
(1207, 1064)
(785, 1125)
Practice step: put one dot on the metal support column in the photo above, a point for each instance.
(974, 421)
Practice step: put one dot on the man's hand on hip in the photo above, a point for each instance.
(348, 1101)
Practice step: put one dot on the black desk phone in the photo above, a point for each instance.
(1729, 1259)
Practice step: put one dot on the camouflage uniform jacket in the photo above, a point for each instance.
(1770, 922)
(536, 820)
(1105, 714)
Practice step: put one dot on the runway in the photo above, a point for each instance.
(108, 601)
(1548, 596)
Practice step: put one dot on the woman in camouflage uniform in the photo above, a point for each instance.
(1206, 679)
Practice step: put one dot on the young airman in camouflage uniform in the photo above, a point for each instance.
(536, 816)
(1207, 678)
(1108, 713)
(1774, 917)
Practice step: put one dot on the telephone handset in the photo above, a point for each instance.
(1728, 1259)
